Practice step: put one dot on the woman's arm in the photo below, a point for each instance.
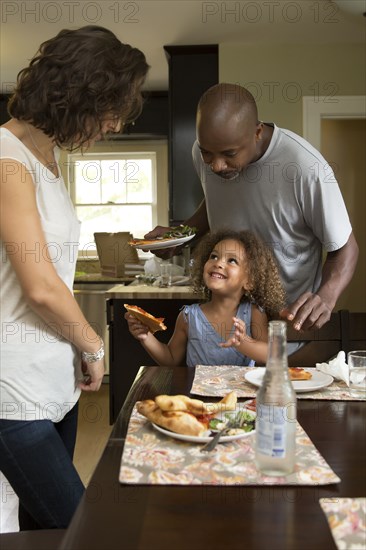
(171, 354)
(22, 234)
(255, 347)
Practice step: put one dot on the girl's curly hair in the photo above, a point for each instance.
(267, 290)
(75, 80)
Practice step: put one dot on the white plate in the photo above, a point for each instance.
(318, 381)
(166, 243)
(205, 438)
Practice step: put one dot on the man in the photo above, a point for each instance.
(260, 177)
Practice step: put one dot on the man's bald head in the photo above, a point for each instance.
(226, 105)
(229, 135)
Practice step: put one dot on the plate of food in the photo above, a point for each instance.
(303, 380)
(186, 419)
(175, 237)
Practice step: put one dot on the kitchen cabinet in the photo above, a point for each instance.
(153, 122)
(91, 298)
(4, 115)
(126, 355)
(192, 70)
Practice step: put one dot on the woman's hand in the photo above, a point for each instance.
(238, 336)
(136, 328)
(93, 375)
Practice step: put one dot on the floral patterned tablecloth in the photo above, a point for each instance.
(347, 521)
(219, 380)
(150, 457)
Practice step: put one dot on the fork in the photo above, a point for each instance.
(214, 441)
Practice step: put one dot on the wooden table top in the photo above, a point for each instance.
(125, 517)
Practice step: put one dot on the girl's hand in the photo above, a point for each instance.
(238, 336)
(136, 328)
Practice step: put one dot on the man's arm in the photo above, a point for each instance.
(199, 220)
(314, 310)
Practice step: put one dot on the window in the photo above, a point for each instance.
(116, 191)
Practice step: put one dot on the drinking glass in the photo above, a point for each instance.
(357, 373)
(165, 275)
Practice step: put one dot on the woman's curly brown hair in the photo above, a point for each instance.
(267, 290)
(75, 80)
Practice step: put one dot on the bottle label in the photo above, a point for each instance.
(272, 424)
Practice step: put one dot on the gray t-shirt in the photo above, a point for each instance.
(291, 199)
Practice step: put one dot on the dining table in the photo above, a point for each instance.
(154, 516)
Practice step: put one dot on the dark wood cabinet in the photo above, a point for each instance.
(153, 121)
(126, 355)
(4, 115)
(192, 70)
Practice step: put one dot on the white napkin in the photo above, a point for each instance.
(337, 367)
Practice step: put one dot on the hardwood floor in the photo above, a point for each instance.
(93, 431)
(92, 436)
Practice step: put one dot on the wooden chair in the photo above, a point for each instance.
(344, 331)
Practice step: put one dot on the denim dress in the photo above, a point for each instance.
(204, 339)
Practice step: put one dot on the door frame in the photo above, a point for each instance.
(314, 109)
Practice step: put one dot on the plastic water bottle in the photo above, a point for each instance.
(276, 409)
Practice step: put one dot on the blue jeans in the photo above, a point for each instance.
(36, 458)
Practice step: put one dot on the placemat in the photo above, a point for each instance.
(347, 521)
(219, 380)
(152, 458)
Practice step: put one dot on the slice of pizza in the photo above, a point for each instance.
(196, 406)
(181, 422)
(153, 323)
(298, 373)
(147, 242)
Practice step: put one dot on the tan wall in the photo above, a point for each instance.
(279, 75)
(344, 145)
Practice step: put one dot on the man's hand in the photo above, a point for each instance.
(158, 231)
(164, 253)
(309, 311)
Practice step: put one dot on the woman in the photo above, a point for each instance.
(241, 281)
(82, 84)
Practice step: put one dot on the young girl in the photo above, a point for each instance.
(241, 281)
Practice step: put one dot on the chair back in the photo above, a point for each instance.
(344, 331)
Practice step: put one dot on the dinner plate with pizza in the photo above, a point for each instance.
(303, 380)
(187, 419)
(156, 244)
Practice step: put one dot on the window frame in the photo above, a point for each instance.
(154, 150)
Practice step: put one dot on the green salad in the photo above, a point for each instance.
(179, 232)
(242, 420)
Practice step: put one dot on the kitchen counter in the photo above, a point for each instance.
(99, 278)
(152, 293)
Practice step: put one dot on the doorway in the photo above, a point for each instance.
(338, 130)
(343, 144)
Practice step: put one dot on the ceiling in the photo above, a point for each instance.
(151, 24)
